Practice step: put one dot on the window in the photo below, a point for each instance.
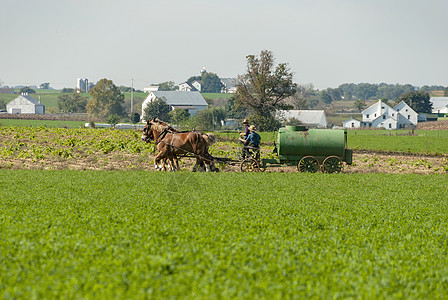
(367, 116)
(390, 125)
(353, 125)
(409, 117)
(393, 115)
(384, 117)
(375, 115)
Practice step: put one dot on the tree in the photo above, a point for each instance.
(365, 91)
(263, 89)
(28, 90)
(106, 100)
(209, 119)
(211, 83)
(325, 97)
(157, 109)
(359, 104)
(300, 100)
(179, 116)
(113, 119)
(445, 93)
(67, 90)
(74, 103)
(45, 86)
(135, 118)
(168, 86)
(234, 109)
(418, 101)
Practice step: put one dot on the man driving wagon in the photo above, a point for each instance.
(251, 143)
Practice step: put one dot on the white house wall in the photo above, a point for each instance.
(388, 123)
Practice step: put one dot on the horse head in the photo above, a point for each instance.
(147, 134)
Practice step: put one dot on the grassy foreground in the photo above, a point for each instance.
(83, 234)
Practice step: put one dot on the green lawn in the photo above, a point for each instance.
(137, 235)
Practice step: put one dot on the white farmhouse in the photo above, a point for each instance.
(25, 104)
(381, 115)
(310, 118)
(191, 101)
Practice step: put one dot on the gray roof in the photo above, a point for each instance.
(438, 101)
(229, 82)
(306, 117)
(181, 98)
(29, 98)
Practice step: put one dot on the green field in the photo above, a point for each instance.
(44, 123)
(136, 235)
(434, 142)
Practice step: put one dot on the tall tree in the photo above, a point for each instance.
(157, 109)
(418, 101)
(211, 83)
(264, 88)
(106, 100)
(74, 103)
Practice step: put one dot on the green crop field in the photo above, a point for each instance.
(44, 123)
(434, 142)
(137, 235)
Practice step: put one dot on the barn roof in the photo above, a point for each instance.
(438, 101)
(176, 98)
(27, 97)
(306, 117)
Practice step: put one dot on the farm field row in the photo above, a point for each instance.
(84, 234)
(105, 149)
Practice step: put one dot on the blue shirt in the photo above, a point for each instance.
(253, 138)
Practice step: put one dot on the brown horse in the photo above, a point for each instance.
(171, 143)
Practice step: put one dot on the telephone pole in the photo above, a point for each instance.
(132, 95)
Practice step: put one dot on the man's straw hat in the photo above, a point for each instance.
(252, 128)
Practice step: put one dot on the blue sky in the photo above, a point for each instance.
(325, 42)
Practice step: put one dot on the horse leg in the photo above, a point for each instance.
(158, 165)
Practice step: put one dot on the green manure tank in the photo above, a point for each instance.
(296, 141)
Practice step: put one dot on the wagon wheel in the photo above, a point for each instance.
(332, 164)
(250, 165)
(308, 164)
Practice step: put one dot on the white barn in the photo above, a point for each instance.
(25, 104)
(191, 101)
(311, 118)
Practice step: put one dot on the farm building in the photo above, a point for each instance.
(25, 104)
(310, 118)
(191, 101)
(187, 87)
(352, 123)
(229, 85)
(439, 105)
(381, 115)
(152, 88)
